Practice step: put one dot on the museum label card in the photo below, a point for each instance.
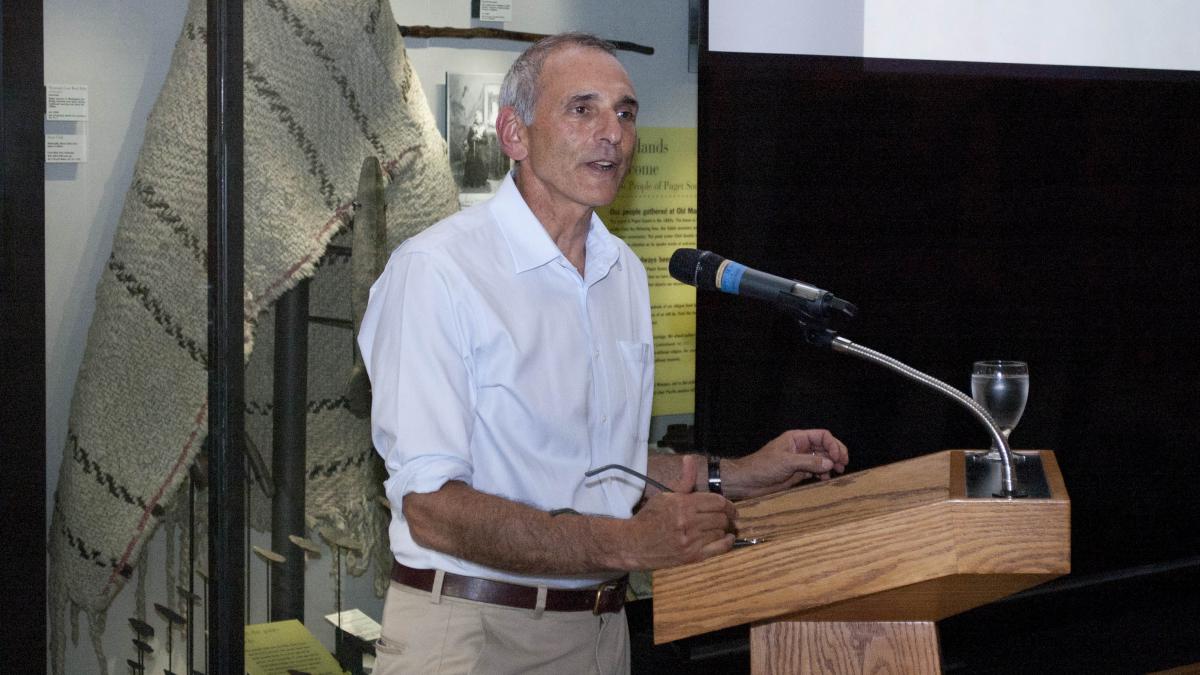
(357, 624)
(495, 10)
(67, 102)
(66, 148)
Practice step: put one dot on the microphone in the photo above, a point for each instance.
(708, 271)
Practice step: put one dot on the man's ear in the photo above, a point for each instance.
(513, 133)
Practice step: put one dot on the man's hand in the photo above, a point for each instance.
(784, 462)
(681, 526)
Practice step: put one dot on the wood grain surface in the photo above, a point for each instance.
(896, 543)
(793, 647)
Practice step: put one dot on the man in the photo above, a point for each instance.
(510, 350)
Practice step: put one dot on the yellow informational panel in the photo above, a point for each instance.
(281, 647)
(655, 213)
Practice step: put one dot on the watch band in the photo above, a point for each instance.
(714, 475)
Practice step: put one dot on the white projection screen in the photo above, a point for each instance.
(1158, 34)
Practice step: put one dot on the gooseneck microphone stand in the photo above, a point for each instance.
(825, 337)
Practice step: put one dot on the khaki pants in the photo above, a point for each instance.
(424, 635)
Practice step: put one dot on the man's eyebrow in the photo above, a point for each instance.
(588, 97)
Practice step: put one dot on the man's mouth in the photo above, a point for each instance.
(603, 165)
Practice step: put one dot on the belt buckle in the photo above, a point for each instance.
(600, 591)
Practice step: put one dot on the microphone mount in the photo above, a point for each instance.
(815, 315)
(815, 329)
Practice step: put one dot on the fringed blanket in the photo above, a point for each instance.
(327, 84)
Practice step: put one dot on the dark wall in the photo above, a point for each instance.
(970, 211)
(22, 340)
(1048, 215)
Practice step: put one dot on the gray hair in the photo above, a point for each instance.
(520, 87)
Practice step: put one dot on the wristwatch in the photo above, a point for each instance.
(714, 475)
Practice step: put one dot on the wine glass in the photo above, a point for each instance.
(1001, 387)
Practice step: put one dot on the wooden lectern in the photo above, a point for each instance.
(854, 571)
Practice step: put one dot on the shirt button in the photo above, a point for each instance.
(604, 420)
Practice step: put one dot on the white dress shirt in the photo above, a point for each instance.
(493, 362)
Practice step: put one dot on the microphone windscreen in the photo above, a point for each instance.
(695, 268)
(683, 265)
(707, 266)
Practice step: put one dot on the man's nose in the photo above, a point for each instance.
(610, 129)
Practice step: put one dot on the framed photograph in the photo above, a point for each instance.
(472, 103)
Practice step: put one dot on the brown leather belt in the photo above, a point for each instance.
(609, 597)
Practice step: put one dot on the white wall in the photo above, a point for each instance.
(1113, 33)
(1108, 33)
(665, 89)
(121, 49)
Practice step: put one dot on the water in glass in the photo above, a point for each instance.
(1004, 396)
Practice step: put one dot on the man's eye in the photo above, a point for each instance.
(580, 110)
(627, 115)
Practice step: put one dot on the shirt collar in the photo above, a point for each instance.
(531, 246)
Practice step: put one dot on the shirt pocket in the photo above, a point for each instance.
(637, 362)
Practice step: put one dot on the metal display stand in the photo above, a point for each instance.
(289, 448)
(226, 386)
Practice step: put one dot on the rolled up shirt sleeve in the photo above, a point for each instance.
(414, 347)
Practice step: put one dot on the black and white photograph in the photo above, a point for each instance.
(478, 164)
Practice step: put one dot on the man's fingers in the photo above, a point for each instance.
(717, 547)
(834, 449)
(716, 523)
(711, 534)
(813, 464)
(798, 478)
(821, 442)
(818, 464)
(687, 475)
